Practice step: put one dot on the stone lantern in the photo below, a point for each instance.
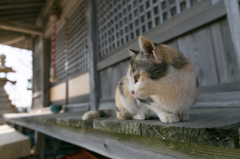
(5, 103)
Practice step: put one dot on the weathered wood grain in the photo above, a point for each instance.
(109, 78)
(75, 121)
(119, 126)
(173, 43)
(124, 146)
(233, 16)
(207, 126)
(197, 47)
(205, 129)
(231, 54)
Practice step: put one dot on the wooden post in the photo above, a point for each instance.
(233, 17)
(45, 71)
(93, 54)
(39, 141)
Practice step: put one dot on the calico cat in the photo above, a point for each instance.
(159, 81)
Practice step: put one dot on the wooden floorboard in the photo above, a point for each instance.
(207, 126)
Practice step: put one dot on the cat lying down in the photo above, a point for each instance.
(159, 81)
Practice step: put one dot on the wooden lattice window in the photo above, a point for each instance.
(60, 56)
(71, 45)
(77, 41)
(122, 21)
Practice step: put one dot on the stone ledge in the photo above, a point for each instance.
(13, 144)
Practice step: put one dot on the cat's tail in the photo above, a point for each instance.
(99, 114)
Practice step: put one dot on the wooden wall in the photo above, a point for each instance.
(209, 48)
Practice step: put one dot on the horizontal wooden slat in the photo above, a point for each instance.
(19, 27)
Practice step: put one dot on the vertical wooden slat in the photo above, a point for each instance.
(233, 17)
(139, 19)
(168, 9)
(145, 16)
(160, 12)
(152, 14)
(93, 54)
(177, 6)
(188, 4)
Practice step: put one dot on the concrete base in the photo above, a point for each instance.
(13, 144)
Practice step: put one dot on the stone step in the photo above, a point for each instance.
(13, 144)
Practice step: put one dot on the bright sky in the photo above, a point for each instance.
(21, 61)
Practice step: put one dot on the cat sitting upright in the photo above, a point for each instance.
(159, 81)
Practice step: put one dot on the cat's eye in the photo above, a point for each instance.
(136, 78)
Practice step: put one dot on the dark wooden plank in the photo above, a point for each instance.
(93, 54)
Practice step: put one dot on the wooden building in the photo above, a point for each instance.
(92, 38)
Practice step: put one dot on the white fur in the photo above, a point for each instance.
(169, 107)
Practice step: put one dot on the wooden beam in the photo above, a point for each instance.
(43, 15)
(93, 54)
(25, 5)
(233, 17)
(13, 41)
(19, 27)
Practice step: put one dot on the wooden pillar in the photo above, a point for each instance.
(93, 54)
(233, 17)
(45, 71)
(39, 142)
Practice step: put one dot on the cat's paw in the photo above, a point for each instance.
(139, 117)
(169, 118)
(184, 117)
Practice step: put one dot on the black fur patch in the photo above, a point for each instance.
(120, 86)
(197, 82)
(154, 70)
(118, 110)
(107, 113)
(180, 62)
(149, 100)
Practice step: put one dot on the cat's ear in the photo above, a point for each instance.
(133, 52)
(146, 44)
(148, 47)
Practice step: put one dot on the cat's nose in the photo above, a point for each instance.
(132, 92)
